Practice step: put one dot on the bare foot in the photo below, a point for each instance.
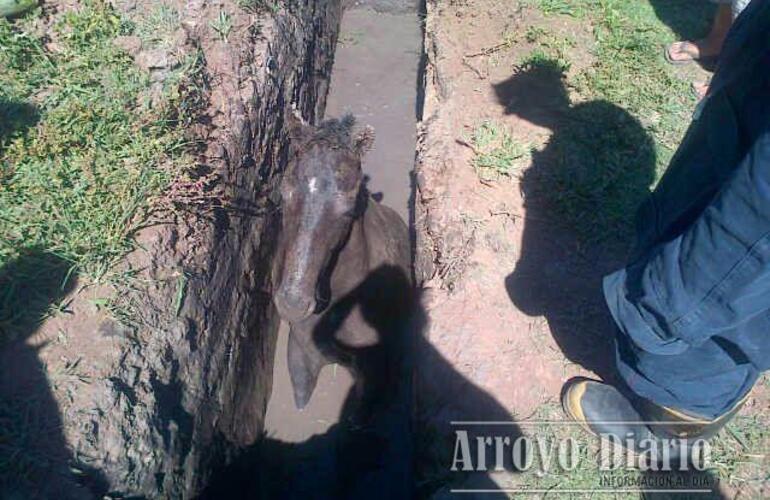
(701, 88)
(707, 48)
(685, 52)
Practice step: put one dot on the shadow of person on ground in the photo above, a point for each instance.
(580, 194)
(35, 461)
(373, 450)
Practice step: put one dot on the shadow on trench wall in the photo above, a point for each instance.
(376, 450)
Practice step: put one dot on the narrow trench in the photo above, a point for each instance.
(376, 74)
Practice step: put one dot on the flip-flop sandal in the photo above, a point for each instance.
(705, 60)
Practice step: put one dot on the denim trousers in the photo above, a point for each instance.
(692, 304)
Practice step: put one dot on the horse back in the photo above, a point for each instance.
(387, 238)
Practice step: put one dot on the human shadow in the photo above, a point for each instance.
(580, 193)
(688, 19)
(374, 449)
(35, 461)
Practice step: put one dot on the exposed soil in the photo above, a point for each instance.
(475, 234)
(513, 296)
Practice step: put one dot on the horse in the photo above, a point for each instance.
(335, 239)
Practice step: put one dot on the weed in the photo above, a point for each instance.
(541, 58)
(550, 49)
(562, 7)
(535, 33)
(497, 153)
(157, 28)
(222, 25)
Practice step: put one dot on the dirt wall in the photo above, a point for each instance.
(189, 386)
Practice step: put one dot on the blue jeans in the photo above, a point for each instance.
(693, 303)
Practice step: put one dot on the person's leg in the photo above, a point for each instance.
(708, 47)
(701, 87)
(705, 381)
(690, 307)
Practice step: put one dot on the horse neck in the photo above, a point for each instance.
(353, 260)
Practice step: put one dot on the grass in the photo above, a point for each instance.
(741, 452)
(496, 152)
(630, 90)
(629, 70)
(222, 25)
(738, 455)
(551, 49)
(89, 143)
(562, 7)
(157, 28)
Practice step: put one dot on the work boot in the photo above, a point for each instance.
(603, 410)
(685, 425)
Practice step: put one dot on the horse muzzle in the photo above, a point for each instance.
(294, 307)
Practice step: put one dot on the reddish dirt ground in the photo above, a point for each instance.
(511, 293)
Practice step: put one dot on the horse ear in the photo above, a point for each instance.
(364, 140)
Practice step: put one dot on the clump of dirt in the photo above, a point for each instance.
(145, 386)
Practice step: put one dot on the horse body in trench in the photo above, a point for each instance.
(338, 243)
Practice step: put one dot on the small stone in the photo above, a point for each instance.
(124, 5)
(156, 59)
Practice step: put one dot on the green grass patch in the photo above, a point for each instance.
(551, 49)
(496, 152)
(562, 7)
(222, 25)
(540, 57)
(87, 145)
